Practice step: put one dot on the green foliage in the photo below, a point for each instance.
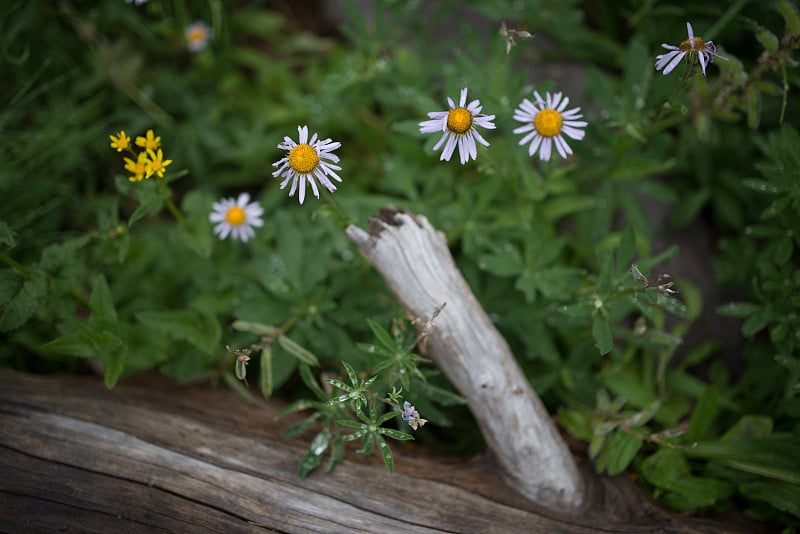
(573, 259)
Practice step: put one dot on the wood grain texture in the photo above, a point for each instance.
(416, 264)
(151, 456)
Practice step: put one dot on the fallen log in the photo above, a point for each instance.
(151, 455)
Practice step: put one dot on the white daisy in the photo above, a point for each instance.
(236, 217)
(306, 162)
(546, 120)
(693, 47)
(197, 35)
(458, 126)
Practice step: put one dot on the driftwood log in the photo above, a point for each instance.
(153, 456)
(416, 264)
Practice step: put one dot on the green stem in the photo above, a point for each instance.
(173, 209)
(11, 262)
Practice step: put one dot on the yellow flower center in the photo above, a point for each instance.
(459, 120)
(686, 46)
(303, 158)
(235, 216)
(156, 165)
(197, 34)
(548, 122)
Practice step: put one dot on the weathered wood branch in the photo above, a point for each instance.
(153, 456)
(416, 264)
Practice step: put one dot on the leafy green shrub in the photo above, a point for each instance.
(118, 275)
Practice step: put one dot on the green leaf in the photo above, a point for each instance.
(382, 336)
(313, 456)
(265, 373)
(293, 348)
(396, 434)
(20, 297)
(337, 453)
(199, 329)
(755, 323)
(85, 342)
(298, 429)
(668, 470)
(311, 383)
(559, 207)
(749, 426)
(7, 235)
(238, 387)
(505, 262)
(255, 328)
(113, 364)
(621, 450)
(386, 453)
(703, 414)
(577, 423)
(100, 302)
(601, 331)
(738, 309)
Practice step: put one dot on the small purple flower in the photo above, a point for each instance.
(411, 416)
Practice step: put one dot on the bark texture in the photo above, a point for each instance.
(153, 456)
(416, 264)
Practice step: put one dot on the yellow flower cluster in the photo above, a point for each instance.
(148, 161)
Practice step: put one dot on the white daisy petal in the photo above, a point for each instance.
(545, 124)
(459, 127)
(694, 49)
(312, 160)
(236, 217)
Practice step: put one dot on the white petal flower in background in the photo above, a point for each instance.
(236, 217)
(694, 48)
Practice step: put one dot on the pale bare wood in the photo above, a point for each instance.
(416, 264)
(153, 456)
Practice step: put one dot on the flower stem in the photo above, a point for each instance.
(11, 262)
(173, 209)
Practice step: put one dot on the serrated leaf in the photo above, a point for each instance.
(199, 329)
(668, 470)
(21, 297)
(506, 262)
(85, 342)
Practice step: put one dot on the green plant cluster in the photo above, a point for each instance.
(114, 276)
